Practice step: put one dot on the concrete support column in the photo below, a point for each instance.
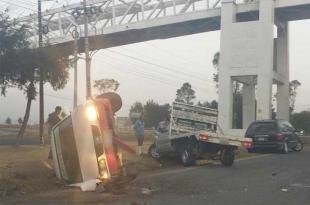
(248, 104)
(266, 63)
(283, 69)
(228, 16)
(264, 93)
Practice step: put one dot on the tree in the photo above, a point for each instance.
(136, 110)
(185, 94)
(216, 63)
(154, 113)
(301, 121)
(8, 121)
(19, 65)
(294, 84)
(20, 121)
(213, 104)
(106, 85)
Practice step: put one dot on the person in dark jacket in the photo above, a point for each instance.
(139, 131)
(53, 119)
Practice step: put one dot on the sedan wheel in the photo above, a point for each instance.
(299, 146)
(285, 148)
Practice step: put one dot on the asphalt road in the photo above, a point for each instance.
(265, 179)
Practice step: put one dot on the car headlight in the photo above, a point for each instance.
(91, 113)
(103, 171)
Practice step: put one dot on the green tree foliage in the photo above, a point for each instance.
(8, 121)
(106, 85)
(154, 113)
(212, 104)
(19, 65)
(185, 94)
(301, 121)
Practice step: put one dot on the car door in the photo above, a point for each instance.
(163, 142)
(288, 131)
(293, 137)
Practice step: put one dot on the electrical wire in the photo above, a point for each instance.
(21, 6)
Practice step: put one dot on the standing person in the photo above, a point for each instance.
(139, 130)
(53, 119)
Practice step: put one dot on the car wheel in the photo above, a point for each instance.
(299, 146)
(285, 148)
(153, 152)
(187, 157)
(227, 157)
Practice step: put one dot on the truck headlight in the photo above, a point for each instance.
(91, 112)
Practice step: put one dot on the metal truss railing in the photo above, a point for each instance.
(66, 23)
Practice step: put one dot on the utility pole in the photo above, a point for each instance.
(75, 36)
(87, 56)
(41, 86)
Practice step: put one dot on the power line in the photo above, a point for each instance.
(157, 60)
(151, 77)
(21, 6)
(160, 66)
(171, 53)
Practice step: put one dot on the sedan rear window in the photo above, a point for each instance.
(261, 127)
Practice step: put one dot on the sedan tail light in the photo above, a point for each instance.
(280, 137)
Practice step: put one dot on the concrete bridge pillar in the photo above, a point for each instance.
(248, 103)
(247, 56)
(282, 50)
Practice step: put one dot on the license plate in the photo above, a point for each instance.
(261, 139)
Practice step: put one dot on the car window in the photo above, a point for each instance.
(261, 127)
(285, 126)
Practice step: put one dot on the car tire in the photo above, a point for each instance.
(187, 157)
(284, 148)
(299, 146)
(227, 157)
(152, 152)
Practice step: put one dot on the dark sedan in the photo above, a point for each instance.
(273, 135)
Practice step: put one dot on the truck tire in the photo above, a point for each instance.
(153, 152)
(227, 157)
(187, 157)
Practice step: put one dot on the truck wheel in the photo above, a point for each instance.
(227, 157)
(153, 152)
(299, 146)
(187, 157)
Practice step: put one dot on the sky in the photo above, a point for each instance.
(166, 65)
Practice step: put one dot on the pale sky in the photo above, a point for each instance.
(188, 58)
